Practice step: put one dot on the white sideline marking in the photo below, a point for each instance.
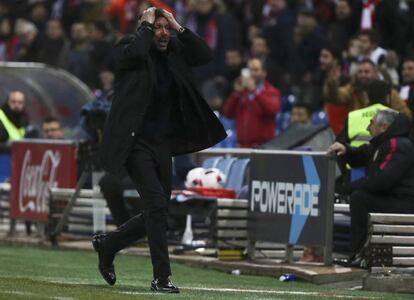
(232, 290)
(316, 294)
(18, 293)
(33, 295)
(139, 293)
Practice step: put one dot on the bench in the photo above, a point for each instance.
(390, 240)
(81, 219)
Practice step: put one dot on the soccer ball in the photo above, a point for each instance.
(213, 178)
(194, 178)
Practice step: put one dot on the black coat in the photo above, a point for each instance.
(389, 159)
(134, 83)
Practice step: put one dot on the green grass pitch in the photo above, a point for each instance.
(33, 273)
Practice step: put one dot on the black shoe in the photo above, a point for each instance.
(356, 261)
(164, 285)
(105, 257)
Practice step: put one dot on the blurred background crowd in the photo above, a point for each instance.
(316, 55)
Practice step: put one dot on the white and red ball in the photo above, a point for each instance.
(213, 178)
(208, 178)
(194, 178)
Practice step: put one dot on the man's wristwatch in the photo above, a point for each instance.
(181, 30)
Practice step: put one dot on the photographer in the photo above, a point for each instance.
(253, 104)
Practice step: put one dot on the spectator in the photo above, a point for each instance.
(301, 114)
(13, 118)
(232, 66)
(39, 15)
(386, 60)
(54, 49)
(407, 90)
(218, 31)
(369, 40)
(8, 41)
(388, 186)
(79, 54)
(330, 62)
(259, 49)
(350, 57)
(52, 129)
(309, 40)
(106, 80)
(383, 16)
(351, 95)
(246, 14)
(29, 44)
(340, 31)
(68, 12)
(253, 104)
(101, 52)
(278, 24)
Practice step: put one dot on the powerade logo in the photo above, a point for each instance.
(300, 200)
(285, 198)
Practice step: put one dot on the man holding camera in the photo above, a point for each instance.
(157, 113)
(253, 104)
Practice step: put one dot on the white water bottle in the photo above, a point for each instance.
(188, 232)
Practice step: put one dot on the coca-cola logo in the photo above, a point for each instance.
(36, 179)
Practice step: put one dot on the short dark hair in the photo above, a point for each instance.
(159, 12)
(304, 105)
(336, 53)
(378, 91)
(408, 58)
(51, 119)
(372, 35)
(367, 61)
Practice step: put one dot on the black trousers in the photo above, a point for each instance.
(149, 166)
(363, 203)
(112, 188)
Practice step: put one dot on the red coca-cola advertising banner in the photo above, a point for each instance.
(37, 165)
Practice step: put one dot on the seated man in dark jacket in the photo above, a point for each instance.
(388, 185)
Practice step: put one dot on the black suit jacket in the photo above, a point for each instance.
(134, 83)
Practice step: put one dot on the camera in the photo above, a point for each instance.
(93, 118)
(245, 77)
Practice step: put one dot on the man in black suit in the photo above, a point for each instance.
(157, 113)
(388, 184)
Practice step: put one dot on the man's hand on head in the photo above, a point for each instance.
(173, 23)
(148, 15)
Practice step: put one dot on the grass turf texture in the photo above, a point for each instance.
(33, 273)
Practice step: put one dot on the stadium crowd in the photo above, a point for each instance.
(321, 53)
